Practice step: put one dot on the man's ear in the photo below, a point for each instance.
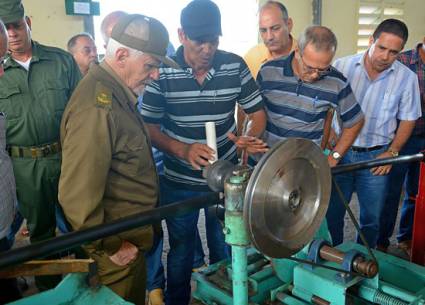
(371, 41)
(121, 56)
(182, 35)
(290, 24)
(28, 21)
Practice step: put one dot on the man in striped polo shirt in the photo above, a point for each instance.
(388, 94)
(299, 91)
(176, 108)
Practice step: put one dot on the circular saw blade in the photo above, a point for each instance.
(287, 197)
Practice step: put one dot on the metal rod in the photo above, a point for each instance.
(374, 163)
(74, 239)
(366, 267)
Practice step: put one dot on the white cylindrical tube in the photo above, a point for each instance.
(211, 138)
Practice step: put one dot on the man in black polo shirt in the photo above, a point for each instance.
(175, 108)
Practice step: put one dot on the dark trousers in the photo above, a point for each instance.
(9, 291)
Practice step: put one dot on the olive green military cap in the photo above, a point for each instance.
(11, 11)
(145, 34)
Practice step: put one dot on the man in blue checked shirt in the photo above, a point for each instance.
(406, 173)
(387, 92)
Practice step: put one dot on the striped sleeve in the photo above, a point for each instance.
(153, 106)
(249, 98)
(410, 103)
(348, 108)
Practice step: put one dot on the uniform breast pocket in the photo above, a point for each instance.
(10, 102)
(57, 94)
(137, 155)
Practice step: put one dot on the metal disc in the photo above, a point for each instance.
(287, 197)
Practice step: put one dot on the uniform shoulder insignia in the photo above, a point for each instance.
(103, 95)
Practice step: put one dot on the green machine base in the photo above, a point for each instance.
(398, 282)
(214, 283)
(73, 290)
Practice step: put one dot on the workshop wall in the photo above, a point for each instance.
(342, 17)
(50, 24)
(53, 27)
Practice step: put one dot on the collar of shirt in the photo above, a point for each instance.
(268, 56)
(38, 54)
(287, 65)
(179, 58)
(361, 63)
(127, 90)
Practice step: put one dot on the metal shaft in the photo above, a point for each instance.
(74, 239)
(360, 265)
(374, 163)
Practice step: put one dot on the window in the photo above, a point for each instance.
(371, 13)
(240, 30)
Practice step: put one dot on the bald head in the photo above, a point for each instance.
(108, 24)
(3, 45)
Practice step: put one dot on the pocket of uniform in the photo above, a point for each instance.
(61, 92)
(8, 98)
(137, 157)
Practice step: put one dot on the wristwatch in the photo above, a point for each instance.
(335, 155)
(393, 152)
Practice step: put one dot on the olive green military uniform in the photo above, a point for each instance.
(108, 173)
(34, 101)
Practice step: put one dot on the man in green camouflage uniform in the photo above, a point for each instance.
(37, 83)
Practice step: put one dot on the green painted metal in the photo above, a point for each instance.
(399, 282)
(214, 283)
(289, 300)
(284, 268)
(235, 233)
(237, 236)
(240, 275)
(375, 296)
(73, 290)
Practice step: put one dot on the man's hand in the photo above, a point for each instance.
(332, 140)
(198, 155)
(332, 162)
(250, 144)
(385, 169)
(125, 255)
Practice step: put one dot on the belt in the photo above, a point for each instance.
(366, 149)
(34, 151)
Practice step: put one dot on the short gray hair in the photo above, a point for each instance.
(114, 45)
(321, 37)
(278, 5)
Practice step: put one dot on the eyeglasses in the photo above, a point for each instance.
(311, 70)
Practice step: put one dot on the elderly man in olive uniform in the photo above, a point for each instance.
(37, 83)
(108, 170)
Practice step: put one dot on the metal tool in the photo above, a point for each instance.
(287, 197)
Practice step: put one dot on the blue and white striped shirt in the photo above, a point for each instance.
(298, 109)
(393, 95)
(182, 107)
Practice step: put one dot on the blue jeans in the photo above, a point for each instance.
(407, 173)
(155, 269)
(371, 191)
(182, 236)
